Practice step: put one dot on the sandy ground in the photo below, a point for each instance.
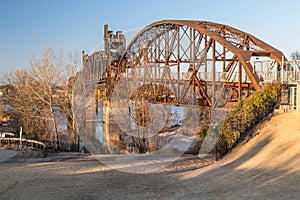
(266, 167)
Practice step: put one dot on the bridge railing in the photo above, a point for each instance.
(283, 76)
(206, 76)
(223, 77)
(25, 143)
(290, 76)
(267, 71)
(291, 73)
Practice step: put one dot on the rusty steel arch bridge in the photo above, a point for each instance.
(205, 55)
(190, 58)
(196, 67)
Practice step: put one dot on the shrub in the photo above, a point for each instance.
(247, 114)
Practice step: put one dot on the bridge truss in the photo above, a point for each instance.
(193, 58)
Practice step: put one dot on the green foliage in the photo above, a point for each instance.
(248, 113)
(203, 131)
(4, 91)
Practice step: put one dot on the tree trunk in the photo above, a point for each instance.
(72, 133)
(56, 138)
(76, 138)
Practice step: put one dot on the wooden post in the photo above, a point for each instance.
(21, 141)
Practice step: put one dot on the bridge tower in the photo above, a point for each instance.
(114, 44)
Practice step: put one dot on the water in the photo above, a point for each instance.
(168, 121)
(99, 124)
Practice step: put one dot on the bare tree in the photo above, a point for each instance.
(73, 65)
(24, 110)
(42, 96)
(295, 55)
(46, 73)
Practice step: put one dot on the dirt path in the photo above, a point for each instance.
(6, 154)
(267, 167)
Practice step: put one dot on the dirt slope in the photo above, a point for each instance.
(267, 167)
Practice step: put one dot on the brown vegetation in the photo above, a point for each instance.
(40, 97)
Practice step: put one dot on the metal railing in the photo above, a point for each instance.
(15, 142)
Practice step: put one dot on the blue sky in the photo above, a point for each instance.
(27, 26)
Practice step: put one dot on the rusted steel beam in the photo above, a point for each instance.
(245, 86)
(204, 92)
(244, 59)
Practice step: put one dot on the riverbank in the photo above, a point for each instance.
(266, 167)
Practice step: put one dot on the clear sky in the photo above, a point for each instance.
(27, 26)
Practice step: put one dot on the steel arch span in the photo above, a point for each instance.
(205, 55)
